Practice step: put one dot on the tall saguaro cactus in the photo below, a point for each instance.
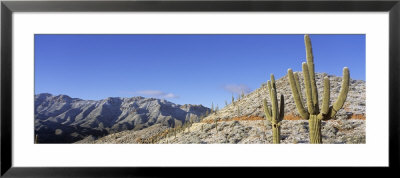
(274, 115)
(314, 114)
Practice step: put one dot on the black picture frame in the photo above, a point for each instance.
(8, 7)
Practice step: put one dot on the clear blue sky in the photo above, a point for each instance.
(184, 69)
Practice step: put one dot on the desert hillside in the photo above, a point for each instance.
(243, 121)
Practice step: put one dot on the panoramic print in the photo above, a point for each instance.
(200, 89)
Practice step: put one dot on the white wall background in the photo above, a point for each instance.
(373, 153)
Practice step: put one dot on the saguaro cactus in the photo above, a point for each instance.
(314, 114)
(274, 115)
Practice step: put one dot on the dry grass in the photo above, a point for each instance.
(252, 118)
(292, 117)
(241, 118)
(358, 116)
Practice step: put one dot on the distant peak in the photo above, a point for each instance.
(63, 96)
(43, 94)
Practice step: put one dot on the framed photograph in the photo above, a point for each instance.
(131, 88)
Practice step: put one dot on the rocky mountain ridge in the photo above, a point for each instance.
(62, 119)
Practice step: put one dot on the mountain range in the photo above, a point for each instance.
(62, 119)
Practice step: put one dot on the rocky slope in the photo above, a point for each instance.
(62, 119)
(244, 122)
(252, 103)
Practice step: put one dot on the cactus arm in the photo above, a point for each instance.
(282, 108)
(274, 102)
(296, 96)
(343, 93)
(296, 79)
(267, 111)
(325, 100)
(269, 89)
(309, 53)
(310, 104)
(273, 81)
(327, 92)
(310, 65)
(271, 96)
